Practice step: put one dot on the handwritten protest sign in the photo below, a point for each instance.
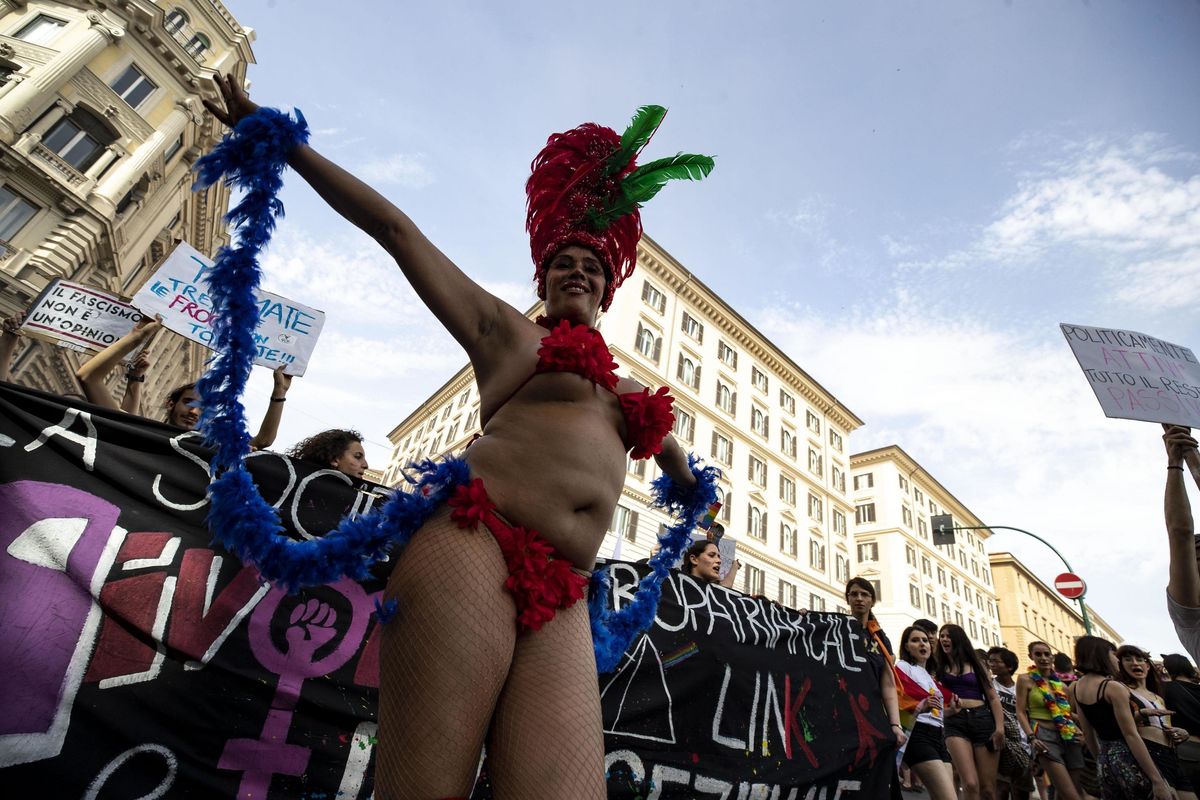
(287, 331)
(1136, 376)
(79, 317)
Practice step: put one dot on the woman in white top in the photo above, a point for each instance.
(925, 753)
(1153, 717)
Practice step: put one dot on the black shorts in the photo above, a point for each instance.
(925, 743)
(1168, 764)
(976, 725)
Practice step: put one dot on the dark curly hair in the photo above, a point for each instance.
(325, 447)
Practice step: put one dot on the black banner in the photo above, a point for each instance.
(139, 660)
(729, 696)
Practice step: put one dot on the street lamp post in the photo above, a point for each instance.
(1087, 622)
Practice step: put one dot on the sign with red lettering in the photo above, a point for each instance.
(1136, 376)
(78, 316)
(1070, 585)
(287, 331)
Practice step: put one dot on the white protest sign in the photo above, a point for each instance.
(287, 331)
(79, 317)
(1136, 376)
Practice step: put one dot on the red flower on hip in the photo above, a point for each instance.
(471, 504)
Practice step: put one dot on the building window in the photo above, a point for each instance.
(787, 539)
(835, 440)
(758, 470)
(958, 618)
(787, 594)
(42, 30)
(722, 449)
(726, 399)
(933, 509)
(653, 297)
(688, 372)
(839, 523)
(647, 343)
(816, 603)
(787, 490)
(841, 569)
(839, 479)
(926, 566)
(954, 583)
(903, 484)
(906, 515)
(133, 86)
(453, 434)
(727, 355)
(816, 555)
(910, 555)
(787, 402)
(918, 496)
(914, 595)
(175, 21)
(624, 523)
(922, 527)
(756, 523)
(755, 581)
(636, 466)
(941, 576)
(15, 211)
(727, 507)
(787, 442)
(812, 422)
(685, 426)
(864, 513)
(692, 327)
(816, 509)
(864, 481)
(474, 415)
(759, 422)
(198, 46)
(758, 378)
(78, 139)
(868, 551)
(815, 463)
(930, 605)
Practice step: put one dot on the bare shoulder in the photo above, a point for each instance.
(626, 385)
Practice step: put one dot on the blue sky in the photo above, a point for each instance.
(908, 198)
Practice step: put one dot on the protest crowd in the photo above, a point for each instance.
(484, 558)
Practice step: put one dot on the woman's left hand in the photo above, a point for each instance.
(237, 104)
(997, 740)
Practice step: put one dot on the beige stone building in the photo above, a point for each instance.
(894, 499)
(741, 403)
(100, 123)
(1031, 610)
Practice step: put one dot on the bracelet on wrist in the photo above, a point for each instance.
(1175, 466)
(138, 378)
(278, 399)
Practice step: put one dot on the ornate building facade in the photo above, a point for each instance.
(741, 403)
(100, 123)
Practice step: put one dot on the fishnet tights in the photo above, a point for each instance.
(452, 667)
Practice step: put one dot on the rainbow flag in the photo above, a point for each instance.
(710, 516)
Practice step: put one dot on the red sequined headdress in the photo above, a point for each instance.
(586, 189)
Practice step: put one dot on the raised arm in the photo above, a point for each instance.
(674, 462)
(91, 373)
(472, 315)
(270, 424)
(1184, 582)
(135, 379)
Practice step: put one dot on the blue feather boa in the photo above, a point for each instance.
(252, 158)
(613, 631)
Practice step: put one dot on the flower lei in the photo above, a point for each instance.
(1054, 695)
(252, 158)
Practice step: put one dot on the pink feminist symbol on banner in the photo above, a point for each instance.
(311, 626)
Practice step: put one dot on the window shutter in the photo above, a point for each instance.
(657, 348)
(700, 333)
(762, 531)
(633, 523)
(733, 403)
(766, 425)
(696, 382)
(714, 445)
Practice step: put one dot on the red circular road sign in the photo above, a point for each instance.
(1070, 585)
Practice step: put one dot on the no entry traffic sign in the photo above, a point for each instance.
(1070, 585)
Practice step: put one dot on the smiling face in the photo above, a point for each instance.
(707, 565)
(575, 283)
(917, 646)
(1043, 658)
(352, 461)
(184, 412)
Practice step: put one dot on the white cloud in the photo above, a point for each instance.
(404, 169)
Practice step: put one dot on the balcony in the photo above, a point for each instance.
(194, 44)
(65, 171)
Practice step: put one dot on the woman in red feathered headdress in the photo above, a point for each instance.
(489, 644)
